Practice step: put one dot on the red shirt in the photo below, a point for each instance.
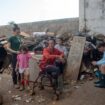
(49, 57)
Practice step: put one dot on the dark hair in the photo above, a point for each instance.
(60, 38)
(24, 48)
(101, 45)
(15, 28)
(52, 40)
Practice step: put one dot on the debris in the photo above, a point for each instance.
(73, 67)
(40, 99)
(29, 100)
(16, 98)
(76, 87)
(54, 103)
(82, 77)
(9, 92)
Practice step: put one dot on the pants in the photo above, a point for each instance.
(60, 65)
(55, 72)
(14, 74)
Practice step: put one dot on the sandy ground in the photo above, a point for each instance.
(82, 94)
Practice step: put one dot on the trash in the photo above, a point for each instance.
(54, 103)
(76, 87)
(82, 77)
(40, 99)
(29, 100)
(16, 98)
(9, 92)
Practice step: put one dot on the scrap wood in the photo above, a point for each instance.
(75, 57)
(24, 34)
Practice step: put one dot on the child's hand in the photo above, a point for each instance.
(94, 63)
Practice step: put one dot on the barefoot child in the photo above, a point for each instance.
(23, 67)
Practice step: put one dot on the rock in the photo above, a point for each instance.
(9, 92)
(29, 100)
(16, 98)
(77, 87)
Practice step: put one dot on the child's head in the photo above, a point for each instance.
(59, 41)
(101, 47)
(23, 49)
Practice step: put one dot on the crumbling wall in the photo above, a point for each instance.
(92, 16)
(58, 26)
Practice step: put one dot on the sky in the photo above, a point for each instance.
(22, 11)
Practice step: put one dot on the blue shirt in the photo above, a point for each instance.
(102, 61)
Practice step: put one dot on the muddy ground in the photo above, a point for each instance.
(81, 94)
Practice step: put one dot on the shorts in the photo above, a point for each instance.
(24, 70)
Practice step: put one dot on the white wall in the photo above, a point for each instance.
(92, 12)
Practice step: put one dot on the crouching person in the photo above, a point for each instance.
(101, 64)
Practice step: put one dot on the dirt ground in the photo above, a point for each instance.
(81, 94)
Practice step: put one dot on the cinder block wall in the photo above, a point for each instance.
(59, 26)
(92, 16)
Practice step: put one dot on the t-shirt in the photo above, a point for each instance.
(101, 61)
(62, 49)
(15, 42)
(23, 60)
(49, 57)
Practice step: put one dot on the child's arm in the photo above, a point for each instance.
(34, 57)
(17, 66)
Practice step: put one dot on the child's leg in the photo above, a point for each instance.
(21, 71)
(22, 82)
(26, 77)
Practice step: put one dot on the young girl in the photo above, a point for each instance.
(23, 67)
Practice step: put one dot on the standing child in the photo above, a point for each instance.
(23, 67)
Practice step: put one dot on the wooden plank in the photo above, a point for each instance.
(75, 57)
(34, 70)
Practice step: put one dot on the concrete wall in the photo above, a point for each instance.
(59, 26)
(92, 16)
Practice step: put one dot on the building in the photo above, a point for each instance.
(92, 16)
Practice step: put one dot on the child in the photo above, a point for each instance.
(23, 66)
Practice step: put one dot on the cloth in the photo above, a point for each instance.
(15, 42)
(39, 33)
(102, 61)
(23, 60)
(49, 57)
(96, 55)
(25, 70)
(62, 49)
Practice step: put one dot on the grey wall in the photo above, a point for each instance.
(92, 12)
(59, 26)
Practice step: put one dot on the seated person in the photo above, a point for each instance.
(101, 64)
(50, 55)
(61, 47)
(91, 54)
(52, 62)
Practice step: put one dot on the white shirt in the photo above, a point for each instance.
(62, 49)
